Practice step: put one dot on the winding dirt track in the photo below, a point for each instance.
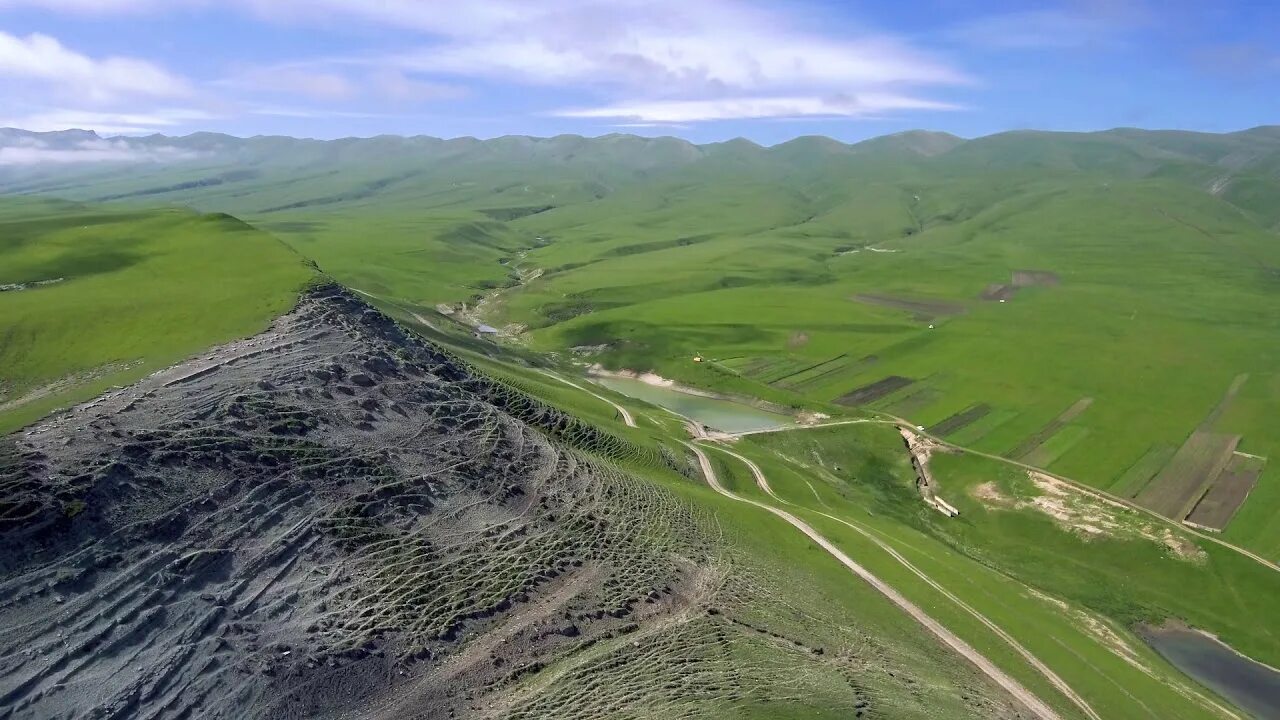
(763, 483)
(814, 426)
(1034, 704)
(625, 413)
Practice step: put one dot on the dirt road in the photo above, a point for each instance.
(625, 413)
(814, 426)
(763, 483)
(1036, 706)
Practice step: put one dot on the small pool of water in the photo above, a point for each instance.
(723, 415)
(1250, 686)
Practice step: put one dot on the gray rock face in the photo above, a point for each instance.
(330, 519)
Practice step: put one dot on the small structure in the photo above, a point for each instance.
(697, 358)
(483, 331)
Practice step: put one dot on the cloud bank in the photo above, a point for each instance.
(652, 61)
(35, 151)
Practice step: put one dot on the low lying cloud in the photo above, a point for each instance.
(686, 111)
(110, 123)
(35, 151)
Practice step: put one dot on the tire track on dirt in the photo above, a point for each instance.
(762, 481)
(1028, 699)
(625, 413)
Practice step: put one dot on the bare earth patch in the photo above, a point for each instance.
(1087, 516)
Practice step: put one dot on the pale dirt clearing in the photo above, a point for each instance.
(1086, 515)
(1102, 496)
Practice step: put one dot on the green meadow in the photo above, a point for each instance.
(1096, 295)
(805, 271)
(127, 292)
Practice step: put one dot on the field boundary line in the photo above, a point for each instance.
(1102, 495)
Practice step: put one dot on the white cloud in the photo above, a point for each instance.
(686, 111)
(36, 151)
(314, 84)
(335, 81)
(111, 123)
(694, 59)
(668, 47)
(41, 58)
(395, 85)
(86, 6)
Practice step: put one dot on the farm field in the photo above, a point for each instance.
(1228, 492)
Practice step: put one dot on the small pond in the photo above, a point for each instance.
(1251, 686)
(726, 415)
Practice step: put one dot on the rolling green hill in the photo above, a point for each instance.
(1103, 307)
(1018, 274)
(95, 296)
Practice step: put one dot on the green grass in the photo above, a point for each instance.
(1004, 562)
(139, 290)
(991, 556)
(659, 250)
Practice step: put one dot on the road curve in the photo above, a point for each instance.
(1028, 699)
(625, 413)
(763, 483)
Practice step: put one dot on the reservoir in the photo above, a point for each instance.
(725, 415)
(1249, 685)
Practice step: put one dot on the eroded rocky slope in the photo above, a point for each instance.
(294, 524)
(335, 519)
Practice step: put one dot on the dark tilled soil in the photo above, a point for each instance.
(922, 310)
(961, 420)
(998, 292)
(331, 519)
(874, 391)
(1228, 492)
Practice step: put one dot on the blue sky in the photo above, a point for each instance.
(701, 69)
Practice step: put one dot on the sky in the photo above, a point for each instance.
(705, 70)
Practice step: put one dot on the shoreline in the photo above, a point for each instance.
(648, 377)
(1178, 625)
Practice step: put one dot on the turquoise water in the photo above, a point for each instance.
(723, 415)
(1250, 686)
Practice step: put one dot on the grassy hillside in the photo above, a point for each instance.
(1132, 272)
(1068, 596)
(1100, 305)
(98, 296)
